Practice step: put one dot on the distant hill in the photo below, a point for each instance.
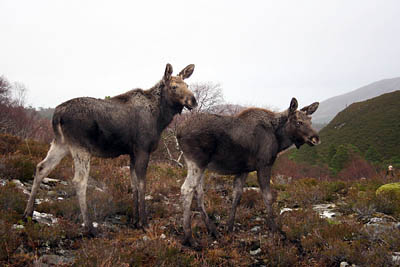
(371, 127)
(330, 107)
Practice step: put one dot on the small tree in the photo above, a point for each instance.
(209, 98)
(373, 155)
(339, 160)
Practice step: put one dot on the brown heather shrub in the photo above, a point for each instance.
(300, 223)
(19, 166)
(290, 168)
(8, 143)
(128, 249)
(9, 241)
(356, 169)
(388, 203)
(12, 203)
(67, 209)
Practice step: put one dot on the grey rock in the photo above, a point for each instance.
(255, 252)
(53, 260)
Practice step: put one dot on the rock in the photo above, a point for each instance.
(97, 185)
(396, 258)
(393, 188)
(285, 210)
(53, 260)
(45, 187)
(44, 218)
(255, 229)
(21, 186)
(52, 193)
(162, 236)
(251, 189)
(344, 264)
(48, 180)
(40, 200)
(282, 179)
(18, 226)
(148, 197)
(146, 238)
(326, 210)
(255, 252)
(3, 182)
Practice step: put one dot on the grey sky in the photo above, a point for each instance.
(261, 52)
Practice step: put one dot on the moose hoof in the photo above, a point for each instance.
(212, 229)
(190, 242)
(90, 231)
(26, 215)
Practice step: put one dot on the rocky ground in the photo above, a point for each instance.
(326, 223)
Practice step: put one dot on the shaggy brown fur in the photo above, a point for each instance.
(130, 123)
(237, 145)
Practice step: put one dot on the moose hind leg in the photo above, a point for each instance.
(187, 192)
(263, 177)
(135, 194)
(237, 195)
(200, 202)
(82, 167)
(55, 154)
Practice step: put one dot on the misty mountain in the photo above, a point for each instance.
(372, 126)
(329, 108)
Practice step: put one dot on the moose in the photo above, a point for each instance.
(126, 124)
(237, 145)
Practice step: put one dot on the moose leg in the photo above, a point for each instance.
(187, 191)
(82, 168)
(200, 202)
(56, 153)
(134, 182)
(237, 195)
(263, 177)
(141, 162)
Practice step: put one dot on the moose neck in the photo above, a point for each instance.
(282, 133)
(167, 110)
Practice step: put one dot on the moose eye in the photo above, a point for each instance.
(298, 123)
(174, 87)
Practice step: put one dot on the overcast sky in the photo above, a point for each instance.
(261, 52)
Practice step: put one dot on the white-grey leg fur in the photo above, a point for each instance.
(55, 154)
(81, 159)
(200, 202)
(187, 191)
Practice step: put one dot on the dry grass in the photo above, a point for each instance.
(310, 240)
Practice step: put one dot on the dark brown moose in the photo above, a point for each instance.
(237, 145)
(130, 123)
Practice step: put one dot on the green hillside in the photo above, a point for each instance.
(371, 128)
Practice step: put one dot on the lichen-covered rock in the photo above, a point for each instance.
(393, 189)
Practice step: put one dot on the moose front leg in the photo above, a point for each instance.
(141, 162)
(135, 195)
(263, 177)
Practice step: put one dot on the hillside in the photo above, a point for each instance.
(329, 108)
(372, 126)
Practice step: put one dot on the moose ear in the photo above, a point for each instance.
(186, 72)
(311, 108)
(293, 106)
(168, 72)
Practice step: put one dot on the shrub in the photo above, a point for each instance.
(12, 203)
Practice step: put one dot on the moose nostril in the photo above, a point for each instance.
(315, 139)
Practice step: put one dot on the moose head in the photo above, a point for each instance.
(299, 124)
(177, 91)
